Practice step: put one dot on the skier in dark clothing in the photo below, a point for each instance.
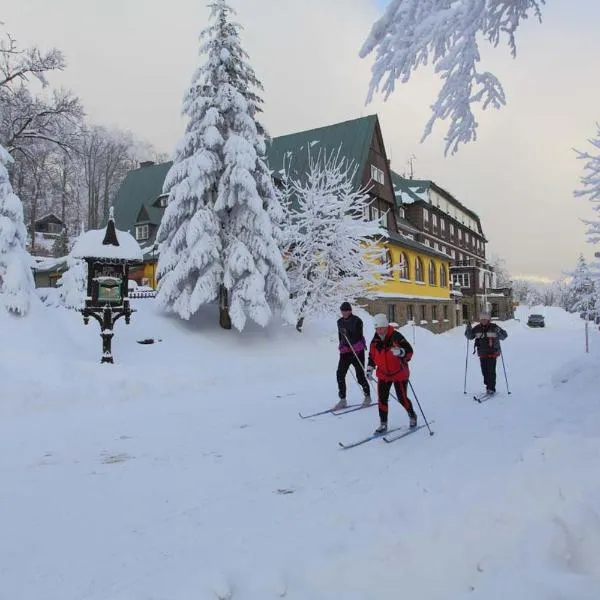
(390, 352)
(352, 345)
(487, 336)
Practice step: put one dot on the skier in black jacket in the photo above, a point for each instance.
(487, 336)
(352, 345)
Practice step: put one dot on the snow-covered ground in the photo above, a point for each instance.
(183, 472)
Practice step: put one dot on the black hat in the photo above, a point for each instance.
(345, 306)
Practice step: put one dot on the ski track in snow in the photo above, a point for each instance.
(184, 472)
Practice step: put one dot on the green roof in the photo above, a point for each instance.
(414, 187)
(140, 190)
(352, 138)
(142, 187)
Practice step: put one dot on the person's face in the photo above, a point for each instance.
(346, 313)
(381, 331)
(484, 322)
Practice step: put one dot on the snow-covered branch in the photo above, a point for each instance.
(333, 252)
(590, 181)
(413, 33)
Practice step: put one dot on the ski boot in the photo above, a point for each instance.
(367, 400)
(381, 429)
(341, 404)
(412, 423)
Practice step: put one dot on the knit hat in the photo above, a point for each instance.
(380, 320)
(345, 306)
(484, 315)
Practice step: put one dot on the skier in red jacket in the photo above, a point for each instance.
(390, 353)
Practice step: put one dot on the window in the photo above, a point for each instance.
(163, 200)
(142, 232)
(54, 228)
(403, 267)
(451, 229)
(425, 215)
(377, 175)
(445, 312)
(391, 313)
(418, 270)
(442, 224)
(434, 220)
(460, 234)
(462, 279)
(386, 259)
(431, 273)
(423, 315)
(443, 276)
(410, 312)
(495, 310)
(434, 312)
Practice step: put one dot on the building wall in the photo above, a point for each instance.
(404, 300)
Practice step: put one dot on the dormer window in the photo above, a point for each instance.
(142, 232)
(163, 200)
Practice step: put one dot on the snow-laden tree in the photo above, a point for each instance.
(445, 33)
(333, 253)
(217, 238)
(590, 181)
(498, 264)
(73, 284)
(16, 277)
(582, 292)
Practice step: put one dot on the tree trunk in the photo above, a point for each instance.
(224, 318)
(299, 324)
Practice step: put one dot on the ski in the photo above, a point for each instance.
(369, 438)
(408, 431)
(349, 408)
(483, 397)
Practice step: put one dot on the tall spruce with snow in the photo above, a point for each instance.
(412, 33)
(218, 236)
(16, 277)
(73, 283)
(334, 254)
(582, 291)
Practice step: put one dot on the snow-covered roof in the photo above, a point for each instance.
(90, 244)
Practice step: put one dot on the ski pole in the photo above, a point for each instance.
(504, 368)
(358, 361)
(420, 408)
(466, 366)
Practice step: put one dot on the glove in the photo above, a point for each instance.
(400, 352)
(370, 372)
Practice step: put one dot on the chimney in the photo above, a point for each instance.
(146, 163)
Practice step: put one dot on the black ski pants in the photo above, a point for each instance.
(383, 393)
(488, 370)
(348, 359)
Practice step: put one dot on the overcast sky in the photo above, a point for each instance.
(131, 60)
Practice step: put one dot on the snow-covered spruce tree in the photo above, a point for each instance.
(73, 284)
(582, 291)
(333, 253)
(16, 277)
(413, 33)
(218, 235)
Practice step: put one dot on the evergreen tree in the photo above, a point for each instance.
(582, 293)
(16, 277)
(61, 244)
(73, 284)
(218, 236)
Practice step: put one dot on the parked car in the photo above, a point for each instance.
(536, 321)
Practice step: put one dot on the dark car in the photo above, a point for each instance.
(536, 321)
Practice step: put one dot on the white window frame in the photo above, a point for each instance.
(377, 175)
(462, 279)
(142, 232)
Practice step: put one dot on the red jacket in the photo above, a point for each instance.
(390, 367)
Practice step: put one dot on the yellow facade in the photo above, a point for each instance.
(150, 273)
(411, 275)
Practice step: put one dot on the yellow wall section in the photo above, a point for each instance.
(410, 288)
(150, 273)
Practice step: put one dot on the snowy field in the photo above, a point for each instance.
(183, 472)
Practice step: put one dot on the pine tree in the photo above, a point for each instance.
(73, 284)
(61, 244)
(16, 277)
(334, 253)
(218, 236)
(582, 291)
